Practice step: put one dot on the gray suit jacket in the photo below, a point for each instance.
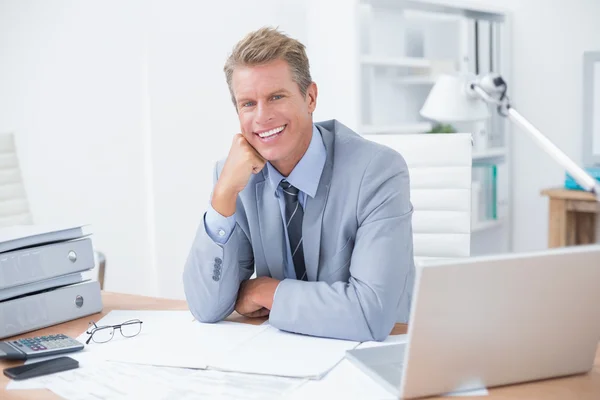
(358, 247)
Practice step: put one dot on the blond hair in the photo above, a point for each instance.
(264, 46)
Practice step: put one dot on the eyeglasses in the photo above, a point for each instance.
(102, 334)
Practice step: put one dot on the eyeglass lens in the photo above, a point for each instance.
(131, 328)
(105, 333)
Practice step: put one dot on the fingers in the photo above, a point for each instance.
(258, 163)
(238, 139)
(263, 312)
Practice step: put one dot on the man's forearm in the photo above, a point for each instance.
(212, 275)
(350, 311)
(224, 200)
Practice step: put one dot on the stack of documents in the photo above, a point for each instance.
(175, 357)
(230, 346)
(41, 282)
(124, 381)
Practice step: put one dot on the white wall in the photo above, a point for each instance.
(71, 89)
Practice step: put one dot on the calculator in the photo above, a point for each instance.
(39, 346)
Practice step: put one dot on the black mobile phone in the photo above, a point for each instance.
(40, 368)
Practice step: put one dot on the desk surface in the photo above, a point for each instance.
(580, 387)
(567, 194)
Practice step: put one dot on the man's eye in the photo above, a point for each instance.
(277, 97)
(248, 104)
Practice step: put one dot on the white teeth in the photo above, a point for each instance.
(271, 132)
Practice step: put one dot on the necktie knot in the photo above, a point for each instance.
(288, 188)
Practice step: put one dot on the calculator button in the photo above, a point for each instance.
(43, 348)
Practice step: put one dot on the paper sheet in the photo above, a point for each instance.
(111, 380)
(197, 346)
(392, 339)
(154, 322)
(232, 385)
(235, 347)
(275, 352)
(345, 381)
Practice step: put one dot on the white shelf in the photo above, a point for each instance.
(410, 62)
(490, 153)
(415, 80)
(417, 127)
(450, 7)
(482, 226)
(421, 15)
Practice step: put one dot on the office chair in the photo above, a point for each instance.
(440, 188)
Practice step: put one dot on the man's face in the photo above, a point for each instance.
(275, 118)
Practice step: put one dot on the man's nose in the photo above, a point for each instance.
(264, 113)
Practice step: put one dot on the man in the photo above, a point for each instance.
(322, 215)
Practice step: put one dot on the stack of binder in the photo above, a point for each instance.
(41, 277)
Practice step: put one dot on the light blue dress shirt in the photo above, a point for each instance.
(305, 176)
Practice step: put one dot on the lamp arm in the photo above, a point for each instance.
(497, 96)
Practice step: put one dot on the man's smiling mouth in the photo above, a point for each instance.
(271, 132)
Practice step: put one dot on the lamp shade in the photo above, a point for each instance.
(449, 101)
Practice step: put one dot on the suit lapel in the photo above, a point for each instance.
(313, 214)
(271, 228)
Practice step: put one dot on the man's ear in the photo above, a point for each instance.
(311, 96)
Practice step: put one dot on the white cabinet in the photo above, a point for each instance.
(384, 69)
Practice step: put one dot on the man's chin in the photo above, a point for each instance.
(270, 155)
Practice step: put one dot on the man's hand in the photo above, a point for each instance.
(255, 296)
(243, 161)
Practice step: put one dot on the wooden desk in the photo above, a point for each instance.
(582, 387)
(572, 217)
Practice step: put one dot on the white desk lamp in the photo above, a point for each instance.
(456, 99)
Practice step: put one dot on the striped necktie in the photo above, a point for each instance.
(293, 217)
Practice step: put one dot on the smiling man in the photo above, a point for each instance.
(322, 215)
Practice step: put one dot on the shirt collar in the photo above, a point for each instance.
(306, 174)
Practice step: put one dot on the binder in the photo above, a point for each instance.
(50, 307)
(20, 236)
(34, 264)
(16, 291)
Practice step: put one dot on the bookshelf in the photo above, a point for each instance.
(392, 51)
(387, 55)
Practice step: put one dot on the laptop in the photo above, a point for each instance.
(494, 320)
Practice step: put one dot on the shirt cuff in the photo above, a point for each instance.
(275, 294)
(217, 226)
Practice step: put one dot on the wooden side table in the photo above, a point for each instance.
(572, 217)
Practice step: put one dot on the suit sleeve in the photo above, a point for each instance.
(217, 226)
(382, 270)
(214, 269)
